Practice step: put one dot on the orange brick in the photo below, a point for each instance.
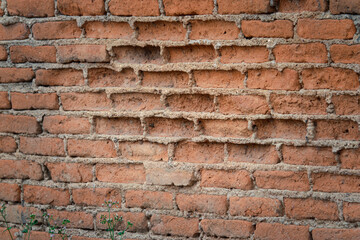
(350, 158)
(162, 127)
(199, 152)
(160, 30)
(282, 180)
(31, 8)
(302, 6)
(139, 221)
(15, 75)
(225, 128)
(3, 53)
(244, 6)
(56, 30)
(7, 144)
(66, 124)
(227, 228)
(252, 153)
(174, 79)
(17, 213)
(237, 179)
(332, 233)
(214, 30)
(143, 151)
(337, 130)
(276, 231)
(16, 31)
(345, 54)
(351, 211)
(4, 100)
(42, 146)
(59, 77)
(169, 177)
(37, 54)
(109, 30)
(301, 53)
(274, 29)
(138, 55)
(236, 54)
(137, 102)
(74, 101)
(91, 148)
(279, 128)
(134, 7)
(19, 124)
(326, 28)
(81, 7)
(148, 199)
(70, 172)
(298, 208)
(193, 53)
(82, 53)
(174, 226)
(10, 192)
(95, 196)
(104, 77)
(243, 104)
(77, 219)
(191, 103)
(116, 173)
(219, 79)
(327, 182)
(118, 126)
(272, 79)
(255, 207)
(21, 101)
(344, 6)
(188, 7)
(46, 195)
(20, 169)
(315, 156)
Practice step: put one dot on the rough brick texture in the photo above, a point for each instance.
(208, 119)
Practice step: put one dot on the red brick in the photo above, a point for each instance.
(15, 75)
(244, 6)
(214, 30)
(227, 228)
(174, 79)
(21, 101)
(282, 180)
(351, 212)
(77, 219)
(169, 177)
(70, 172)
(66, 124)
(330, 78)
(37, 54)
(81, 7)
(188, 7)
(344, 6)
(345, 54)
(16, 31)
(17, 213)
(3, 53)
(301, 6)
(350, 158)
(9, 192)
(46, 195)
(138, 55)
(327, 182)
(31, 8)
(298, 104)
(237, 179)
(237, 54)
(82, 53)
(272, 79)
(7, 144)
(337, 130)
(20, 169)
(276, 231)
(112, 30)
(137, 102)
(118, 126)
(160, 30)
(59, 77)
(134, 7)
(301, 53)
(252, 153)
(42, 146)
(193, 53)
(162, 127)
(148, 199)
(335, 234)
(139, 221)
(255, 207)
(243, 104)
(174, 226)
(311, 209)
(104, 77)
(116, 173)
(91, 148)
(95, 196)
(273, 29)
(315, 156)
(19, 124)
(191, 103)
(326, 28)
(202, 203)
(4, 100)
(225, 128)
(4, 234)
(92, 101)
(219, 79)
(56, 30)
(143, 151)
(279, 128)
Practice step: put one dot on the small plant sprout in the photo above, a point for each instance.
(54, 229)
(112, 222)
(3, 215)
(29, 225)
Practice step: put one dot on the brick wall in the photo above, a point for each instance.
(204, 119)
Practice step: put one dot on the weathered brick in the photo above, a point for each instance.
(225, 128)
(345, 54)
(105, 77)
(77, 219)
(138, 55)
(15, 31)
(20, 169)
(31, 8)
(349, 158)
(244, 6)
(3, 53)
(66, 124)
(272, 79)
(188, 7)
(112, 30)
(59, 77)
(82, 53)
(56, 30)
(279, 128)
(327, 182)
(143, 151)
(240, 54)
(344, 6)
(134, 7)
(118, 126)
(276, 231)
(137, 102)
(18, 213)
(302, 6)
(169, 177)
(315, 156)
(252, 153)
(337, 130)
(310, 208)
(42, 146)
(199, 152)
(21, 101)
(81, 7)
(7, 144)
(255, 207)
(139, 221)
(174, 79)
(351, 211)
(193, 53)
(274, 29)
(95, 196)
(116, 173)
(4, 100)
(160, 30)
(91, 148)
(283, 180)
(46, 195)
(92, 101)
(16, 75)
(243, 104)
(162, 127)
(326, 28)
(70, 172)
(237, 179)
(148, 199)
(219, 79)
(174, 226)
(301, 53)
(191, 103)
(227, 228)
(214, 30)
(335, 234)
(10, 192)
(19, 124)
(36, 54)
